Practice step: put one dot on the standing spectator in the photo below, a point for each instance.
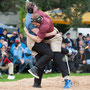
(5, 63)
(78, 39)
(69, 39)
(85, 41)
(71, 57)
(62, 37)
(22, 38)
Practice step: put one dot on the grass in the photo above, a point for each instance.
(26, 75)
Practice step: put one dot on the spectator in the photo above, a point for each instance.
(5, 63)
(87, 56)
(80, 61)
(69, 39)
(81, 45)
(3, 42)
(12, 39)
(71, 57)
(85, 41)
(78, 39)
(22, 38)
(4, 34)
(13, 45)
(62, 37)
(18, 56)
(28, 58)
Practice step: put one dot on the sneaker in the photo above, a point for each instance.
(19, 73)
(48, 71)
(68, 84)
(79, 71)
(36, 85)
(33, 71)
(10, 77)
(1, 75)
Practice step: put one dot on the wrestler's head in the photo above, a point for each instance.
(31, 7)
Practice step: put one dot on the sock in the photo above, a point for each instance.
(66, 77)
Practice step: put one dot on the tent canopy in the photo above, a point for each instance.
(56, 18)
(10, 29)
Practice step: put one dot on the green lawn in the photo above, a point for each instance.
(26, 75)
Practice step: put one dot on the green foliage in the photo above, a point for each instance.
(74, 10)
(22, 14)
(10, 5)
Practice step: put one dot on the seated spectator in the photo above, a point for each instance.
(87, 54)
(13, 45)
(81, 45)
(6, 38)
(22, 38)
(87, 57)
(80, 61)
(12, 39)
(3, 42)
(28, 58)
(5, 63)
(18, 56)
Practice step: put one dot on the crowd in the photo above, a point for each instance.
(15, 56)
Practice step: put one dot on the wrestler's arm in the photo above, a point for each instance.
(33, 37)
(36, 30)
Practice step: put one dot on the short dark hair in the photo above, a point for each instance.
(36, 18)
(80, 33)
(68, 34)
(29, 7)
(4, 30)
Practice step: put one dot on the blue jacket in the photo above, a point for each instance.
(27, 54)
(28, 23)
(17, 54)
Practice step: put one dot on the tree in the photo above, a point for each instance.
(10, 5)
(74, 10)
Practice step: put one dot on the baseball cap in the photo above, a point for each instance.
(17, 40)
(2, 38)
(14, 33)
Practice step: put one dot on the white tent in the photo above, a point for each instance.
(74, 34)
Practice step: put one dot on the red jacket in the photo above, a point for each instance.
(5, 60)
